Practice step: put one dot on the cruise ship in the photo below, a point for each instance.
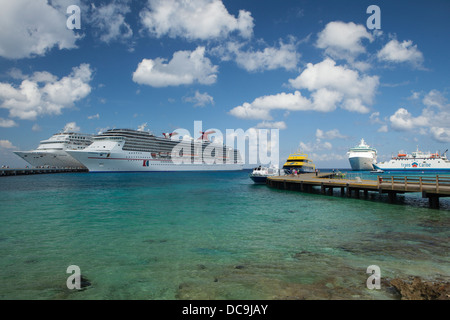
(416, 162)
(128, 150)
(53, 151)
(299, 162)
(362, 157)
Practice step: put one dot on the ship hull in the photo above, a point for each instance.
(417, 169)
(258, 179)
(361, 163)
(416, 165)
(110, 162)
(57, 158)
(301, 169)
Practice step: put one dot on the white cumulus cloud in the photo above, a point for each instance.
(37, 96)
(7, 123)
(200, 99)
(109, 21)
(433, 121)
(186, 67)
(315, 146)
(200, 19)
(283, 56)
(6, 144)
(403, 120)
(341, 83)
(434, 98)
(440, 134)
(71, 127)
(94, 116)
(342, 40)
(260, 108)
(397, 52)
(33, 27)
(281, 125)
(330, 86)
(331, 134)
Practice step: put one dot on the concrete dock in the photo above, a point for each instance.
(432, 188)
(24, 171)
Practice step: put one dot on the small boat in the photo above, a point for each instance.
(377, 171)
(260, 174)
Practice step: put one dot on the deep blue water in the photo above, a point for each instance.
(210, 235)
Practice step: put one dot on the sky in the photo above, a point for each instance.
(324, 73)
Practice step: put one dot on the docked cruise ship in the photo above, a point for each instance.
(52, 152)
(124, 150)
(362, 157)
(416, 162)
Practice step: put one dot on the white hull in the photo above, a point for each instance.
(362, 157)
(415, 165)
(53, 158)
(359, 163)
(52, 152)
(118, 162)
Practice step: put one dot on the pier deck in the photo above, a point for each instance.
(24, 171)
(431, 187)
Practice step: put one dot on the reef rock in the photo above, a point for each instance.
(416, 289)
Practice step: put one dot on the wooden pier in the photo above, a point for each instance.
(431, 187)
(24, 171)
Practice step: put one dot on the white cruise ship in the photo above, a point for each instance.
(362, 156)
(416, 162)
(52, 152)
(124, 150)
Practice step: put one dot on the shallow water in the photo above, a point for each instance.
(211, 235)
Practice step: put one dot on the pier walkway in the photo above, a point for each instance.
(24, 171)
(432, 188)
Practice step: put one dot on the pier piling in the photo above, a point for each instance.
(25, 171)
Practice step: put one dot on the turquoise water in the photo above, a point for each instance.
(211, 235)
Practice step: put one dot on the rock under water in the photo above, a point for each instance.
(416, 289)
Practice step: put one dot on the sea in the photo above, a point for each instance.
(209, 236)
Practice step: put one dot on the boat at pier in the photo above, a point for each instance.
(128, 150)
(362, 157)
(299, 162)
(52, 152)
(416, 162)
(260, 174)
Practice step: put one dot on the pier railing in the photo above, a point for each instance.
(431, 187)
(437, 184)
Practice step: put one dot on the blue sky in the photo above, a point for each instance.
(312, 69)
